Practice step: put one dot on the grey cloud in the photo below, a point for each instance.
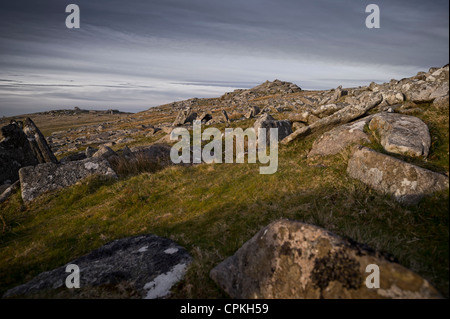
(215, 44)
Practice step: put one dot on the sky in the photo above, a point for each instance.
(135, 54)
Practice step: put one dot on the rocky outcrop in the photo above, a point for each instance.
(264, 89)
(266, 121)
(50, 176)
(15, 152)
(146, 266)
(342, 116)
(405, 182)
(290, 259)
(38, 143)
(402, 134)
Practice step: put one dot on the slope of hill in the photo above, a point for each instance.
(212, 209)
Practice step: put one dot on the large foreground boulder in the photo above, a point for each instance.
(144, 267)
(290, 259)
(402, 134)
(406, 182)
(49, 176)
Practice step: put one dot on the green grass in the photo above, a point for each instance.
(211, 210)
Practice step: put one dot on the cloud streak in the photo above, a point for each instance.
(137, 54)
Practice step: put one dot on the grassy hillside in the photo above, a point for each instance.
(212, 210)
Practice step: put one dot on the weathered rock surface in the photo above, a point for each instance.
(266, 121)
(290, 259)
(15, 152)
(104, 152)
(342, 116)
(38, 143)
(423, 91)
(185, 116)
(49, 176)
(442, 103)
(147, 266)
(334, 141)
(406, 182)
(402, 134)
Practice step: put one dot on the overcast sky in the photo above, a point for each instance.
(131, 55)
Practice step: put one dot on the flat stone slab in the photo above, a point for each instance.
(289, 259)
(147, 266)
(406, 182)
(402, 134)
(36, 180)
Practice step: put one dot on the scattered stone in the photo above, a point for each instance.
(266, 121)
(336, 140)
(185, 116)
(148, 266)
(402, 134)
(104, 152)
(290, 259)
(50, 176)
(406, 182)
(342, 116)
